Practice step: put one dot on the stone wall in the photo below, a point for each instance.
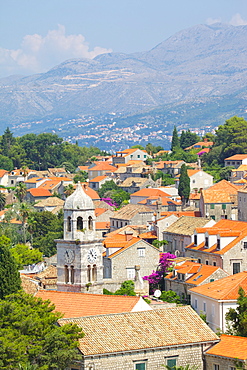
(223, 362)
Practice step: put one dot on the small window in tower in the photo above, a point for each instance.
(90, 223)
(79, 223)
(69, 224)
(66, 274)
(72, 274)
(89, 273)
(94, 273)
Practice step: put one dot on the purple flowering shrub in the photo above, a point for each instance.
(110, 202)
(156, 277)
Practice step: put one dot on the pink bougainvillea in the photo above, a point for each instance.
(165, 262)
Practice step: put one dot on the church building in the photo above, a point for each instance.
(79, 253)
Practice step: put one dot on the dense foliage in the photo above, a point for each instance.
(29, 335)
(42, 151)
(184, 184)
(127, 288)
(237, 318)
(10, 278)
(110, 190)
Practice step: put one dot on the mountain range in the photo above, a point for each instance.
(196, 78)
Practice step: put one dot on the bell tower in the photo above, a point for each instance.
(79, 253)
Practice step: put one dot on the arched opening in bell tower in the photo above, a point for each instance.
(79, 224)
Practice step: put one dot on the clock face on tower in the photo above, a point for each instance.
(69, 256)
(92, 255)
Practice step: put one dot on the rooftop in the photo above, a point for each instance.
(84, 304)
(230, 346)
(141, 330)
(225, 288)
(130, 210)
(186, 225)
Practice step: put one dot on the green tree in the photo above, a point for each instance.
(23, 255)
(10, 281)
(184, 184)
(20, 191)
(170, 296)
(119, 196)
(29, 335)
(7, 141)
(237, 318)
(108, 185)
(6, 163)
(175, 140)
(127, 288)
(2, 201)
(68, 190)
(188, 138)
(81, 176)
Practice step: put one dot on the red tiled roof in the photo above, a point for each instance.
(102, 225)
(103, 166)
(39, 192)
(230, 346)
(236, 157)
(148, 192)
(84, 304)
(98, 179)
(3, 172)
(225, 288)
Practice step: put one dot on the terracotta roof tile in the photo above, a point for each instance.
(236, 157)
(85, 304)
(103, 166)
(3, 172)
(225, 288)
(141, 330)
(102, 225)
(98, 179)
(186, 225)
(130, 210)
(39, 192)
(230, 346)
(148, 192)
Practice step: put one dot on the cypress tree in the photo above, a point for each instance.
(184, 184)
(175, 139)
(10, 281)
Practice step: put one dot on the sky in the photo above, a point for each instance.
(36, 35)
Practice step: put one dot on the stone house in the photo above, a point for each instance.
(128, 258)
(223, 355)
(190, 274)
(172, 168)
(214, 299)
(98, 181)
(236, 160)
(161, 224)
(199, 179)
(131, 214)
(223, 245)
(57, 172)
(36, 194)
(51, 204)
(180, 233)
(220, 201)
(100, 169)
(239, 173)
(132, 170)
(4, 177)
(242, 204)
(133, 184)
(127, 155)
(145, 193)
(143, 340)
(161, 204)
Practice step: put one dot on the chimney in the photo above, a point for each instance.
(128, 235)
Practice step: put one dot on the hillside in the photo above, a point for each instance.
(196, 78)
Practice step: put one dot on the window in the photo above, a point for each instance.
(172, 361)
(214, 263)
(211, 206)
(131, 273)
(140, 366)
(216, 367)
(94, 273)
(245, 245)
(69, 224)
(195, 239)
(199, 260)
(138, 156)
(223, 206)
(145, 156)
(72, 274)
(206, 242)
(79, 224)
(89, 273)
(235, 268)
(204, 306)
(195, 303)
(90, 223)
(218, 245)
(213, 217)
(232, 368)
(66, 274)
(141, 252)
(206, 262)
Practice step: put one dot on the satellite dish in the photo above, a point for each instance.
(157, 293)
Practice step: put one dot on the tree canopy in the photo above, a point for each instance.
(184, 184)
(29, 335)
(10, 278)
(237, 318)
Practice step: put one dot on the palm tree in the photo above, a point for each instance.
(2, 200)
(21, 191)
